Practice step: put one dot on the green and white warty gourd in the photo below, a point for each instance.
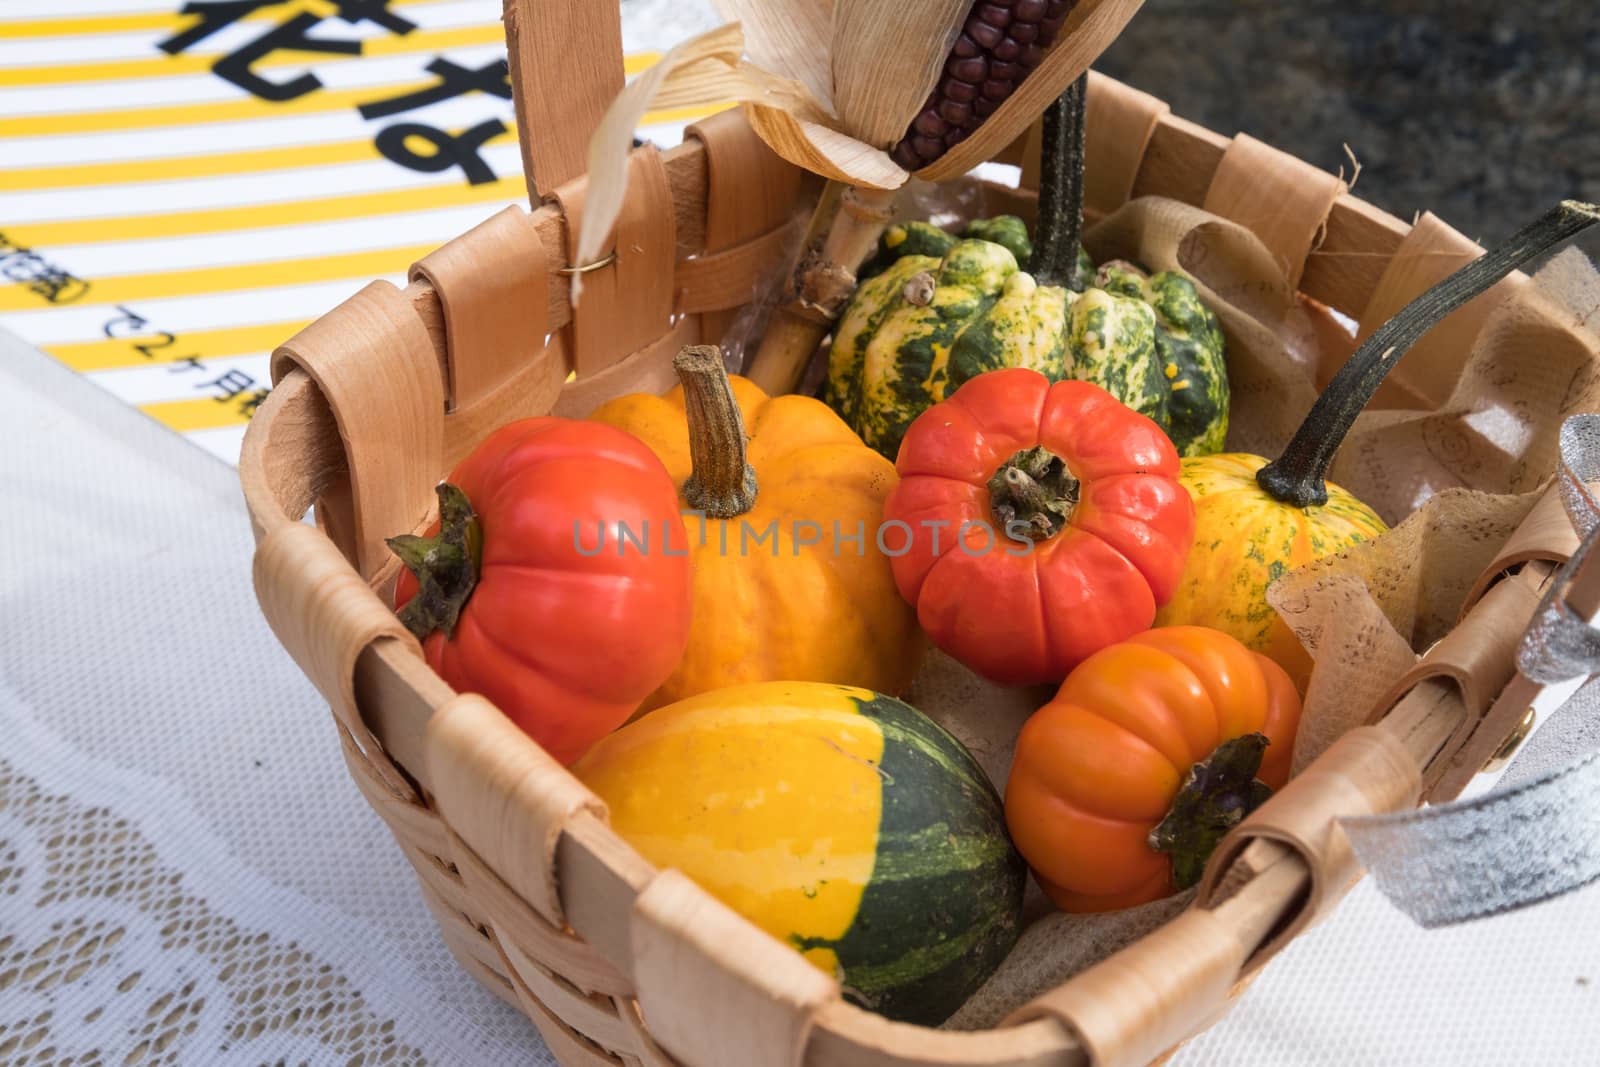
(942, 309)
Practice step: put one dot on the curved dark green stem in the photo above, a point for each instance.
(1299, 476)
(1058, 233)
(1216, 795)
(446, 565)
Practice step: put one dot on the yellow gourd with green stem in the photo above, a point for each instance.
(1256, 520)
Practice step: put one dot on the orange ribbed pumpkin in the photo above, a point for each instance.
(1152, 749)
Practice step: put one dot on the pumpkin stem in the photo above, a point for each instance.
(1034, 488)
(1298, 476)
(843, 233)
(1058, 233)
(446, 565)
(1215, 797)
(723, 484)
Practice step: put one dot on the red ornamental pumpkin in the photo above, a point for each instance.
(1042, 523)
(557, 584)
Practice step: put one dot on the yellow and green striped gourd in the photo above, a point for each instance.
(842, 822)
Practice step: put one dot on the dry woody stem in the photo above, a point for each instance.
(822, 283)
(723, 484)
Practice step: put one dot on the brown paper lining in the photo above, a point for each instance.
(1284, 201)
(1118, 123)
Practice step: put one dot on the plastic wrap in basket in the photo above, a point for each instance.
(617, 962)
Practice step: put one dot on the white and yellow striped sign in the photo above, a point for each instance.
(181, 192)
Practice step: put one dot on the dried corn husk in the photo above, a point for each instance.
(830, 87)
(707, 67)
(878, 82)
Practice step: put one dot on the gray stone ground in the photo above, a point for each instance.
(1482, 111)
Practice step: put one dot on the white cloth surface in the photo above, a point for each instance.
(162, 762)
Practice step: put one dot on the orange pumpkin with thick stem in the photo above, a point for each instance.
(790, 581)
(1150, 752)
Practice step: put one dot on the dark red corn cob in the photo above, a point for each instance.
(1000, 43)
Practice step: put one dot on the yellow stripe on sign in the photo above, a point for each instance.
(315, 103)
(204, 413)
(87, 25)
(115, 353)
(140, 118)
(177, 168)
(252, 161)
(682, 114)
(284, 213)
(126, 288)
(162, 65)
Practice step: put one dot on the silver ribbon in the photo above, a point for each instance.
(1449, 863)
(1560, 646)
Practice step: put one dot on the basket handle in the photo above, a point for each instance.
(566, 68)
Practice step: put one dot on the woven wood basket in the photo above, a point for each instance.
(617, 962)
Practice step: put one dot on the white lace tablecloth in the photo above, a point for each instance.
(187, 876)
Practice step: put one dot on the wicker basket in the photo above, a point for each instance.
(614, 961)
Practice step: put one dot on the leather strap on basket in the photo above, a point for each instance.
(373, 361)
(1546, 534)
(325, 616)
(628, 301)
(750, 208)
(718, 283)
(504, 795)
(1282, 200)
(566, 68)
(1130, 1008)
(491, 283)
(1118, 124)
(1478, 656)
(1366, 772)
(1546, 538)
(1430, 252)
(1539, 838)
(648, 370)
(750, 189)
(754, 999)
